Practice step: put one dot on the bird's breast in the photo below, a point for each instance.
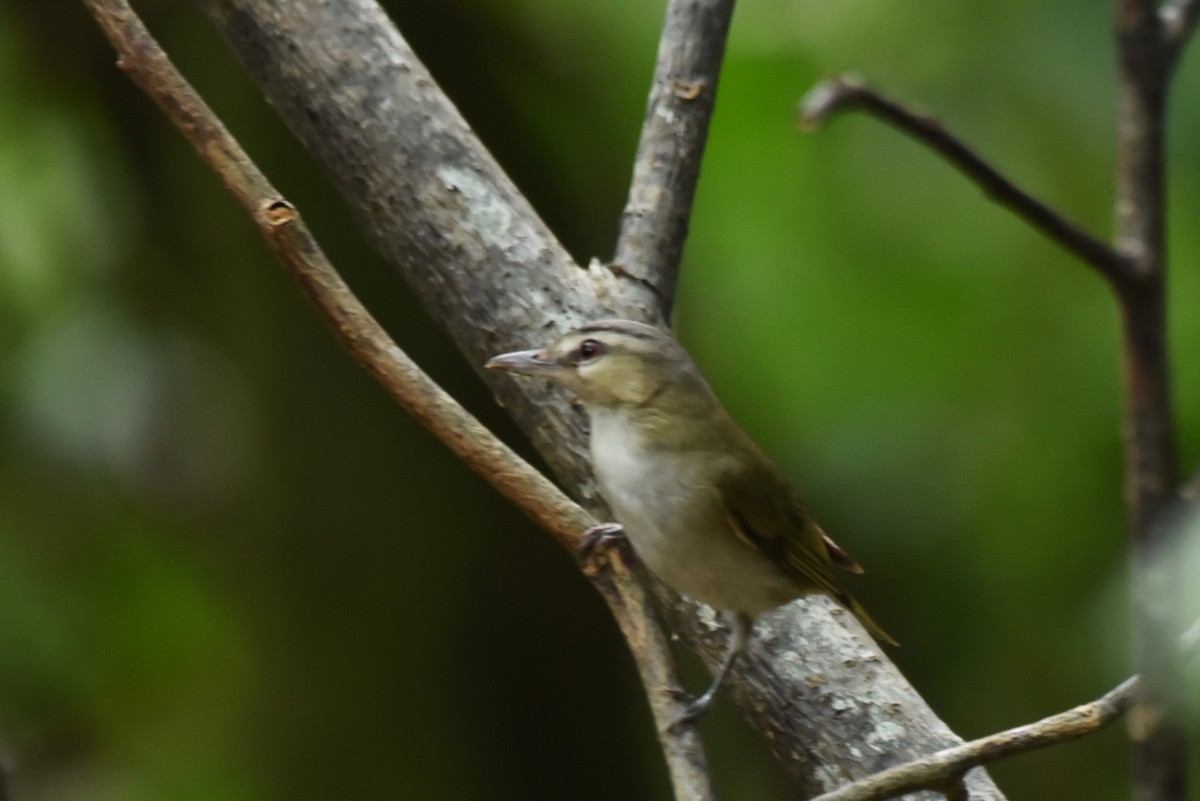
(666, 502)
(650, 489)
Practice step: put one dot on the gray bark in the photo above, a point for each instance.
(654, 223)
(439, 208)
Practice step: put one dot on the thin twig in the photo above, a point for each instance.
(844, 92)
(655, 221)
(936, 770)
(282, 227)
(944, 770)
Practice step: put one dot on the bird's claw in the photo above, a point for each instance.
(678, 694)
(599, 536)
(692, 710)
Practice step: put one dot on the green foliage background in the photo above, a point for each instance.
(230, 568)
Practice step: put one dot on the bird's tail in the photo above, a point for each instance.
(847, 600)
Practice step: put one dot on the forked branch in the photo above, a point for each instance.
(1149, 40)
(282, 227)
(437, 206)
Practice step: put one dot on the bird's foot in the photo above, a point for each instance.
(599, 537)
(693, 708)
(740, 626)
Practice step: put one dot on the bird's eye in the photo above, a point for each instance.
(589, 349)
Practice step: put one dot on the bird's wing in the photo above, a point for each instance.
(763, 513)
(840, 558)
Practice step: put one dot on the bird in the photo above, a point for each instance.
(702, 505)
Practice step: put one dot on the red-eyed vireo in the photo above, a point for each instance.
(704, 508)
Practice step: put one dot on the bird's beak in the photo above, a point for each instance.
(525, 362)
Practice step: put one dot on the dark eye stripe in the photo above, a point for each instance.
(590, 349)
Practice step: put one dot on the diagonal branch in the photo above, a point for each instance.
(845, 92)
(948, 766)
(440, 210)
(944, 770)
(282, 227)
(654, 224)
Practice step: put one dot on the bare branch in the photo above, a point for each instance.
(944, 771)
(949, 765)
(786, 699)
(281, 225)
(1158, 732)
(845, 92)
(654, 224)
(1149, 40)
(437, 206)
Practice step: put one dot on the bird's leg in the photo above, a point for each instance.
(740, 627)
(599, 536)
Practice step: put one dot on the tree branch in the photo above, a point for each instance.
(1157, 729)
(948, 766)
(280, 224)
(438, 207)
(1148, 42)
(943, 770)
(654, 224)
(805, 684)
(848, 92)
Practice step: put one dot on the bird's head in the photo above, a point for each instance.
(609, 363)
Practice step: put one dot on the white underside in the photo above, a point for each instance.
(677, 528)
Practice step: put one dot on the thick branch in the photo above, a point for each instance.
(655, 221)
(941, 771)
(946, 767)
(849, 92)
(437, 206)
(810, 677)
(370, 345)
